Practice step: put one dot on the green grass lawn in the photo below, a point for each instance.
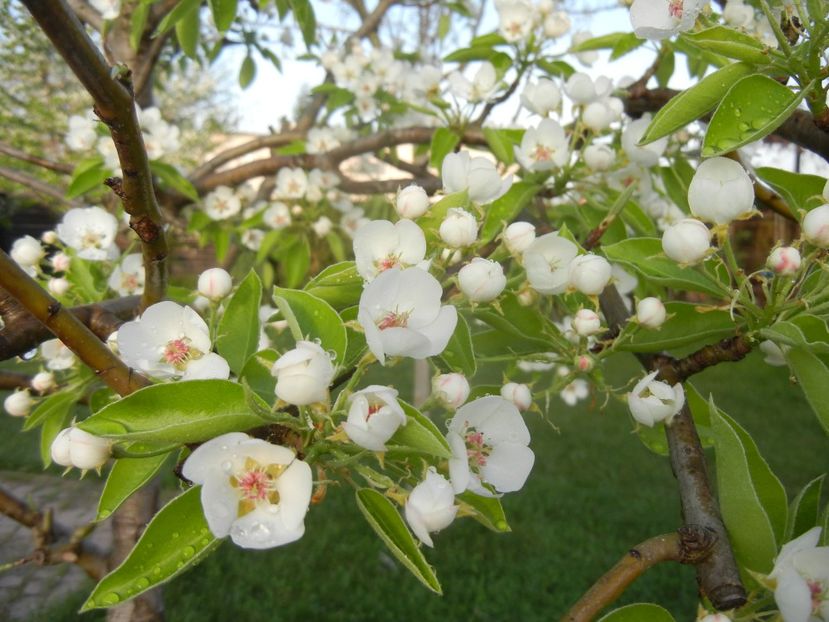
(594, 492)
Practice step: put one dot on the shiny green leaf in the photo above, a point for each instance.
(340, 285)
(126, 476)
(224, 12)
(312, 318)
(459, 354)
(444, 141)
(419, 435)
(729, 42)
(801, 191)
(503, 210)
(687, 325)
(486, 510)
(804, 510)
(238, 333)
(639, 612)
(813, 377)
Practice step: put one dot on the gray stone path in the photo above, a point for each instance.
(30, 588)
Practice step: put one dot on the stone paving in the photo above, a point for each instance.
(28, 589)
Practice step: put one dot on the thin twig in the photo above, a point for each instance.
(17, 154)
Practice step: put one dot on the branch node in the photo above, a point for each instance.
(696, 543)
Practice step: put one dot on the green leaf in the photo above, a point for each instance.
(459, 354)
(813, 377)
(257, 374)
(138, 22)
(340, 285)
(694, 102)
(178, 13)
(388, 524)
(312, 318)
(187, 32)
(56, 405)
(503, 210)
(86, 179)
(127, 476)
(555, 68)
(224, 12)
(247, 72)
(485, 510)
(430, 221)
(488, 40)
(172, 178)
(646, 257)
(665, 68)
(807, 331)
(238, 334)
(444, 141)
(501, 144)
(639, 612)
(294, 260)
(752, 499)
(752, 109)
(305, 19)
(608, 42)
(357, 346)
(801, 191)
(729, 42)
(419, 435)
(175, 540)
(55, 418)
(804, 510)
(177, 412)
(687, 325)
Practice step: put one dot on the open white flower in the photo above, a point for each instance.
(127, 278)
(516, 19)
(58, 356)
(659, 19)
(801, 572)
(547, 262)
(477, 175)
(222, 203)
(541, 97)
(489, 441)
(430, 506)
(291, 183)
(256, 492)
(90, 231)
(321, 140)
(81, 135)
(170, 341)
(543, 147)
(482, 86)
(373, 417)
(720, 191)
(652, 401)
(575, 391)
(380, 245)
(303, 374)
(277, 216)
(401, 315)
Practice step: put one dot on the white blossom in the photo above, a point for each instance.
(816, 226)
(645, 155)
(27, 253)
(489, 442)
(659, 19)
(430, 506)
(518, 394)
(451, 390)
(170, 341)
(412, 202)
(720, 191)
(556, 24)
(374, 415)
(58, 286)
(127, 277)
(43, 381)
(277, 216)
(291, 183)
(303, 374)
(215, 283)
(57, 355)
(482, 280)
(547, 262)
(401, 315)
(574, 392)
(586, 322)
(73, 447)
(18, 403)
(687, 242)
(481, 88)
(90, 231)
(256, 492)
(222, 203)
(589, 274)
(81, 135)
(651, 312)
(477, 175)
(541, 97)
(652, 401)
(321, 140)
(518, 236)
(516, 19)
(380, 245)
(543, 147)
(801, 573)
(459, 228)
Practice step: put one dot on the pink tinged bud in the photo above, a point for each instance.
(412, 202)
(586, 322)
(518, 237)
(784, 260)
(589, 274)
(584, 363)
(450, 389)
(687, 242)
(18, 404)
(518, 394)
(215, 283)
(816, 226)
(651, 312)
(58, 286)
(60, 262)
(43, 381)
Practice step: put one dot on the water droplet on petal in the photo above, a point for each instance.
(227, 466)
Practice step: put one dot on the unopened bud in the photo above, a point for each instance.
(215, 283)
(450, 389)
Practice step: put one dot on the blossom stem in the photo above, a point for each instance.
(69, 329)
(115, 105)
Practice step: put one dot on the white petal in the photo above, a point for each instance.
(458, 464)
(210, 366)
(417, 524)
(262, 529)
(295, 487)
(220, 503)
(508, 466)
(206, 460)
(793, 597)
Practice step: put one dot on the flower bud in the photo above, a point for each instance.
(26, 251)
(773, 354)
(542, 97)
(430, 506)
(580, 88)
(215, 283)
(784, 260)
(482, 280)
(584, 363)
(686, 242)
(586, 322)
(652, 401)
(49, 237)
(527, 297)
(303, 374)
(589, 274)
(459, 228)
(374, 415)
(451, 390)
(87, 451)
(60, 448)
(556, 24)
(412, 202)
(18, 404)
(650, 312)
(518, 394)
(720, 191)
(599, 157)
(60, 262)
(518, 236)
(718, 617)
(816, 226)
(58, 286)
(43, 381)
(597, 116)
(322, 226)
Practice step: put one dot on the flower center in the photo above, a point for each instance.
(256, 484)
(129, 282)
(91, 239)
(373, 409)
(393, 319)
(542, 153)
(388, 262)
(178, 352)
(817, 592)
(477, 451)
(675, 9)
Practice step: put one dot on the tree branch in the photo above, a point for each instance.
(686, 546)
(728, 350)
(36, 185)
(58, 167)
(115, 106)
(69, 329)
(800, 128)
(14, 380)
